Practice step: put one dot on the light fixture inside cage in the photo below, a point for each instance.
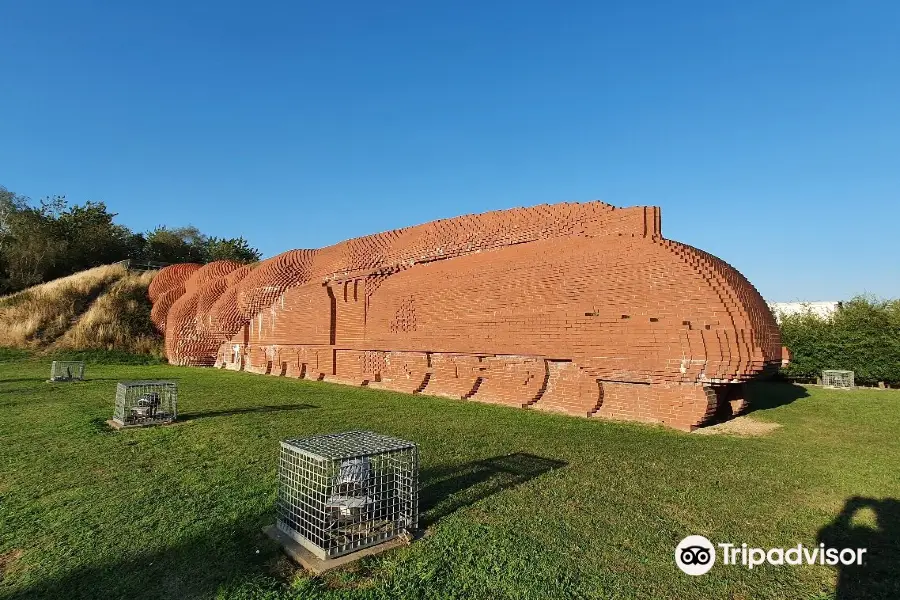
(838, 379)
(67, 370)
(140, 403)
(339, 493)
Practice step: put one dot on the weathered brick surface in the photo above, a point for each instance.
(188, 342)
(222, 319)
(583, 309)
(262, 286)
(163, 304)
(169, 278)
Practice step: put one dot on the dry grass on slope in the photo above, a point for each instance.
(37, 316)
(117, 320)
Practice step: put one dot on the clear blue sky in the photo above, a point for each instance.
(768, 132)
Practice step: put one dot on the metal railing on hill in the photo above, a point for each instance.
(133, 265)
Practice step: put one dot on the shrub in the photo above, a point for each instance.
(863, 337)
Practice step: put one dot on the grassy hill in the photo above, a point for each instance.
(105, 308)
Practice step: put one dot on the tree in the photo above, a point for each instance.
(236, 249)
(187, 244)
(182, 244)
(863, 336)
(91, 237)
(54, 238)
(10, 204)
(30, 246)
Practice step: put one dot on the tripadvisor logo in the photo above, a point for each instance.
(696, 555)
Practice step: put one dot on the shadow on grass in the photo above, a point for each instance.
(244, 411)
(16, 390)
(195, 568)
(99, 425)
(761, 395)
(238, 550)
(772, 394)
(878, 576)
(448, 489)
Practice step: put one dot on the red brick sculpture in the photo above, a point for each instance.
(170, 277)
(222, 320)
(582, 308)
(187, 341)
(163, 304)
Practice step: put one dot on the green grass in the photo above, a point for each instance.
(583, 508)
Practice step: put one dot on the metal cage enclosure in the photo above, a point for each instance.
(837, 379)
(67, 370)
(342, 492)
(140, 403)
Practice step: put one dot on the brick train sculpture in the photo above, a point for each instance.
(580, 308)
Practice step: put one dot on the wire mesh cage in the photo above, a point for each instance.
(141, 403)
(342, 492)
(837, 379)
(67, 370)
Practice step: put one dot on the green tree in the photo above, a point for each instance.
(187, 244)
(91, 238)
(10, 205)
(54, 238)
(181, 244)
(236, 249)
(30, 245)
(863, 337)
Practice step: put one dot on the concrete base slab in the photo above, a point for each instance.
(116, 425)
(317, 565)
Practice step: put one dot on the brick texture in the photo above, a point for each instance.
(187, 341)
(169, 278)
(578, 308)
(163, 304)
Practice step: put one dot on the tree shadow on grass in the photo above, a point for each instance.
(243, 411)
(196, 568)
(879, 575)
(450, 488)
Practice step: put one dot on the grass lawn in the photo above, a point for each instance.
(582, 508)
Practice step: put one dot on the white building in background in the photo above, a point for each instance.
(820, 309)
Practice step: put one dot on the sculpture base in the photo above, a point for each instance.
(316, 565)
(116, 425)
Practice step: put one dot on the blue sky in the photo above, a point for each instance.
(768, 132)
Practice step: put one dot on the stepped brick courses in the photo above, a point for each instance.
(580, 308)
(170, 278)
